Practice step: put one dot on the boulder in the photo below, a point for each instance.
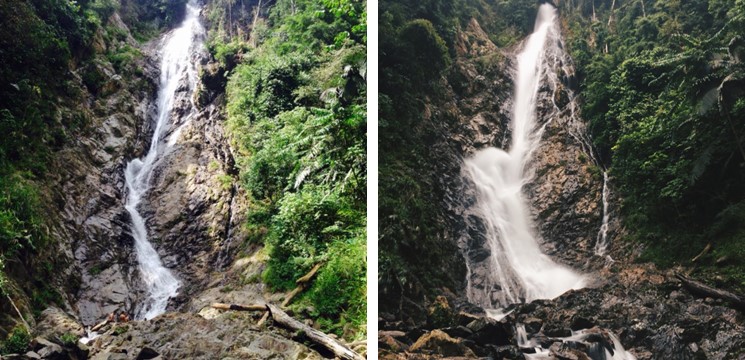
(438, 342)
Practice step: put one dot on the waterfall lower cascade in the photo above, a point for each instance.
(177, 65)
(518, 270)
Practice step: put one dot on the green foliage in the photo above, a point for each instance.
(298, 120)
(121, 330)
(665, 118)
(17, 341)
(69, 339)
(123, 58)
(20, 219)
(43, 296)
(424, 49)
(105, 8)
(146, 18)
(341, 285)
(225, 52)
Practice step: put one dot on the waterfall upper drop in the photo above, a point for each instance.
(519, 271)
(177, 64)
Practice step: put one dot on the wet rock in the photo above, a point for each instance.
(507, 352)
(579, 323)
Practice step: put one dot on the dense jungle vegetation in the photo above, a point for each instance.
(662, 84)
(296, 112)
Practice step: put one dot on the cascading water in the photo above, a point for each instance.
(601, 244)
(519, 271)
(176, 65)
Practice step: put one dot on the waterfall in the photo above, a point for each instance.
(518, 270)
(601, 244)
(176, 65)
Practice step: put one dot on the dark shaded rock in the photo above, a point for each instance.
(558, 332)
(579, 323)
(487, 331)
(47, 349)
(458, 331)
(388, 342)
(147, 353)
(532, 325)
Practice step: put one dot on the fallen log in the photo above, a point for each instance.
(341, 351)
(239, 307)
(698, 288)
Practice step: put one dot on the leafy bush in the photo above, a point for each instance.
(69, 339)
(20, 220)
(17, 341)
(339, 291)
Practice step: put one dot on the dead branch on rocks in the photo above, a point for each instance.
(702, 289)
(341, 351)
(284, 320)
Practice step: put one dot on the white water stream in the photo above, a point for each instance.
(601, 244)
(176, 65)
(520, 271)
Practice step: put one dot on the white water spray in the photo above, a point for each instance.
(175, 65)
(519, 270)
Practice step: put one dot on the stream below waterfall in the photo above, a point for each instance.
(177, 65)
